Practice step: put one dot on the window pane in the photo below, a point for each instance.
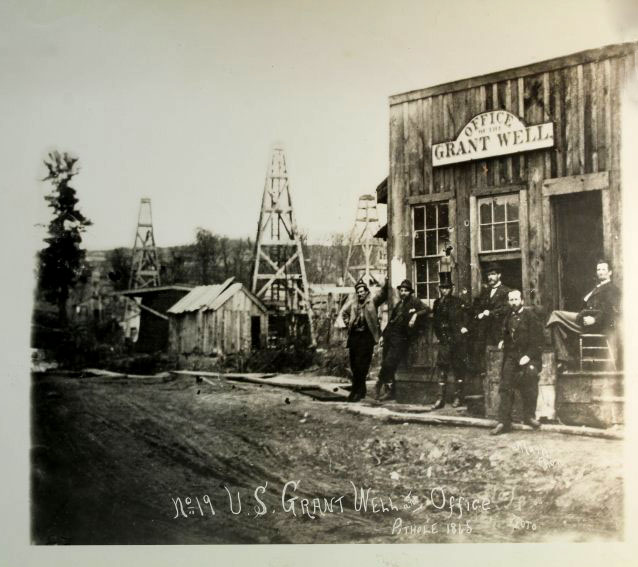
(499, 211)
(422, 291)
(421, 271)
(434, 291)
(430, 216)
(512, 210)
(433, 269)
(419, 218)
(444, 217)
(499, 237)
(419, 244)
(486, 213)
(430, 242)
(512, 235)
(486, 238)
(444, 237)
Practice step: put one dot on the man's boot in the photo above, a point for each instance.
(458, 395)
(440, 402)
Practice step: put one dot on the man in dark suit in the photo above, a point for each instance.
(490, 310)
(361, 317)
(395, 338)
(451, 330)
(599, 315)
(522, 344)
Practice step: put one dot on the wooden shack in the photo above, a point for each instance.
(519, 166)
(153, 304)
(218, 320)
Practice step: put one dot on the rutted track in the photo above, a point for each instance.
(110, 455)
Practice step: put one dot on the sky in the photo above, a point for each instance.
(183, 101)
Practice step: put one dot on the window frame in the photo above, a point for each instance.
(491, 199)
(451, 217)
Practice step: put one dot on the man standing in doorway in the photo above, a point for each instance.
(599, 315)
(395, 338)
(361, 318)
(522, 345)
(490, 310)
(451, 329)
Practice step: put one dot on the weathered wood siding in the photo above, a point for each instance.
(226, 330)
(580, 94)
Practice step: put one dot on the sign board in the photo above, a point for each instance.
(490, 134)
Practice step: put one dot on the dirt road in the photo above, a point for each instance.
(147, 461)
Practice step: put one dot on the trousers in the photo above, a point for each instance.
(361, 347)
(395, 349)
(521, 378)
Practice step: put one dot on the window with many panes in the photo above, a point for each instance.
(498, 223)
(430, 235)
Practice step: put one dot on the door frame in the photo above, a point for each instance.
(566, 186)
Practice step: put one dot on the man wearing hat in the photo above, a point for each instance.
(489, 313)
(361, 318)
(451, 329)
(396, 336)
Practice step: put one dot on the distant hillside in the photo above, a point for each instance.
(229, 257)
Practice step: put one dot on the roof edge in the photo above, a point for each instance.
(578, 58)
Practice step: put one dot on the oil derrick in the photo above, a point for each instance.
(366, 254)
(279, 275)
(145, 268)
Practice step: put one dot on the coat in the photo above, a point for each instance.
(603, 304)
(402, 312)
(522, 335)
(450, 316)
(370, 313)
(498, 307)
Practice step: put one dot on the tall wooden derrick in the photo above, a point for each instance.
(145, 268)
(366, 254)
(279, 276)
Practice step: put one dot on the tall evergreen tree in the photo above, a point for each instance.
(61, 260)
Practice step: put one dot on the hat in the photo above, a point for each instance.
(445, 279)
(406, 284)
(362, 284)
(492, 267)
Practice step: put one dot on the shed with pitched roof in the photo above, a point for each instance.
(217, 320)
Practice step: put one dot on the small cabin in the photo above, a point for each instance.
(217, 320)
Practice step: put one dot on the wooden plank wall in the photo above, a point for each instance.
(224, 331)
(582, 100)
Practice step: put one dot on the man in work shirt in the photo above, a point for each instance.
(395, 338)
(522, 345)
(451, 330)
(361, 318)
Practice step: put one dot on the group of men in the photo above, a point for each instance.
(464, 329)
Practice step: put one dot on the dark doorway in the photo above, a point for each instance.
(578, 222)
(255, 332)
(511, 274)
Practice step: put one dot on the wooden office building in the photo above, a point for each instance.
(521, 167)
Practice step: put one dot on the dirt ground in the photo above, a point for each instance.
(150, 461)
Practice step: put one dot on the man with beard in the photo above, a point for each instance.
(599, 315)
(395, 338)
(451, 330)
(522, 345)
(361, 318)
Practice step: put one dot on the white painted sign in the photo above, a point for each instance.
(493, 133)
